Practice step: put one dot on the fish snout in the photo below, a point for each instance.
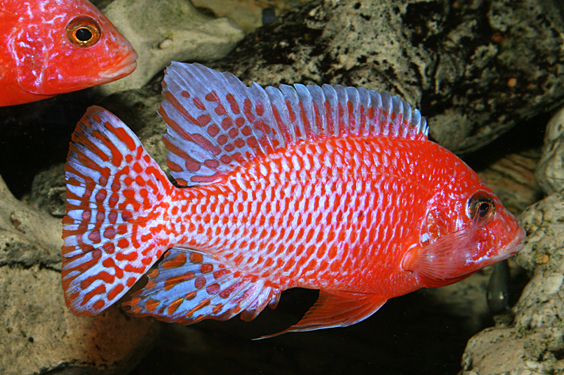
(516, 244)
(121, 69)
(509, 234)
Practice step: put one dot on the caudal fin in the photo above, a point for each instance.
(116, 198)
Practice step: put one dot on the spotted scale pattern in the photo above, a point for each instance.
(40, 60)
(308, 217)
(301, 218)
(303, 186)
(283, 201)
(217, 124)
(117, 198)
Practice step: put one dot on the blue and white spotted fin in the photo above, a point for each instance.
(216, 124)
(189, 286)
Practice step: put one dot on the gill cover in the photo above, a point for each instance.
(443, 255)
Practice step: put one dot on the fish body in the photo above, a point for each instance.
(50, 47)
(329, 188)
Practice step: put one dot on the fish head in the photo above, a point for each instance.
(466, 228)
(68, 45)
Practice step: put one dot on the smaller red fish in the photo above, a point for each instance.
(331, 188)
(51, 47)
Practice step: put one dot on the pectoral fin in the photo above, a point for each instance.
(445, 261)
(337, 309)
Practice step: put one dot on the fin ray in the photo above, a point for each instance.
(336, 309)
(216, 124)
(437, 263)
(190, 286)
(114, 191)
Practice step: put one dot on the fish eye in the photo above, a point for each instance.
(481, 208)
(83, 32)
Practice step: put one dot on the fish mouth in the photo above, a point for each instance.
(125, 67)
(515, 245)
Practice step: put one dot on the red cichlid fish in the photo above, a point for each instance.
(332, 188)
(50, 47)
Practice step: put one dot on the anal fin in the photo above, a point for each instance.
(189, 286)
(336, 309)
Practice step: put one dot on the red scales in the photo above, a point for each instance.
(322, 187)
(51, 47)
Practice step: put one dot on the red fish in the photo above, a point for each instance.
(50, 47)
(331, 188)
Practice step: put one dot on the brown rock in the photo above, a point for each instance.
(535, 340)
(550, 172)
(38, 332)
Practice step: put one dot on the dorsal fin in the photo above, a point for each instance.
(217, 124)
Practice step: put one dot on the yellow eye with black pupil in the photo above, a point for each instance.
(84, 35)
(83, 32)
(481, 208)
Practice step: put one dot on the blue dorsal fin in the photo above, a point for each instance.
(216, 124)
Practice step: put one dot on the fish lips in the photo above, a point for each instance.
(512, 247)
(126, 67)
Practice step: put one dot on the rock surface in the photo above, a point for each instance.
(512, 179)
(534, 342)
(249, 14)
(38, 332)
(474, 69)
(550, 171)
(162, 31)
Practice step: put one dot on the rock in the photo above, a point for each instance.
(27, 236)
(39, 334)
(162, 31)
(460, 64)
(246, 14)
(550, 171)
(503, 351)
(249, 14)
(512, 179)
(533, 343)
(48, 191)
(474, 69)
